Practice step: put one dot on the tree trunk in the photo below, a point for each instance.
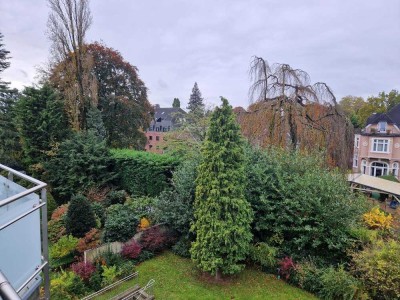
(218, 275)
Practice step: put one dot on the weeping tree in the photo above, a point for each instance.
(291, 112)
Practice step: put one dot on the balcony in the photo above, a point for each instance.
(23, 236)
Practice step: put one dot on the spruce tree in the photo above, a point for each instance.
(222, 214)
(80, 216)
(195, 104)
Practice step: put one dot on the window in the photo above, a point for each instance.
(355, 160)
(396, 169)
(380, 145)
(382, 126)
(150, 137)
(364, 166)
(379, 169)
(357, 142)
(157, 138)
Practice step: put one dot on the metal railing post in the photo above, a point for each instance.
(45, 249)
(7, 292)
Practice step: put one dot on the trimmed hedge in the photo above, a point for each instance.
(143, 173)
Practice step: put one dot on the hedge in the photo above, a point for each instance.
(143, 173)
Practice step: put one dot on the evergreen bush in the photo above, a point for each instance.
(120, 223)
(80, 217)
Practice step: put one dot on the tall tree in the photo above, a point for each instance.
(351, 106)
(295, 114)
(195, 104)
(122, 97)
(42, 122)
(10, 150)
(176, 103)
(222, 214)
(67, 25)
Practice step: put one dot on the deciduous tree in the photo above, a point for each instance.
(222, 214)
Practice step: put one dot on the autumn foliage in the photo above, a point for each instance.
(378, 219)
(89, 241)
(131, 249)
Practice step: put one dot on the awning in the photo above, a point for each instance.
(375, 183)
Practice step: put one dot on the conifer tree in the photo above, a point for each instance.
(10, 149)
(176, 103)
(222, 214)
(196, 104)
(80, 216)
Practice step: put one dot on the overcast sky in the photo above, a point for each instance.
(353, 45)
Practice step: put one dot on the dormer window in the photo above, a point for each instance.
(382, 126)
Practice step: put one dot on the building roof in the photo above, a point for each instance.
(168, 113)
(391, 117)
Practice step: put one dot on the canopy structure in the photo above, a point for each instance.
(368, 183)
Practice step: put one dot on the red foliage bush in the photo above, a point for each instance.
(89, 241)
(131, 249)
(59, 212)
(155, 239)
(286, 267)
(83, 270)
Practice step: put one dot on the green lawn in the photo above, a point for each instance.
(177, 278)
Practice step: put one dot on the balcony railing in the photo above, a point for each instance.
(23, 236)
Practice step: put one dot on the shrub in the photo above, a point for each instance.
(51, 205)
(84, 270)
(127, 268)
(338, 284)
(309, 206)
(115, 197)
(155, 239)
(60, 212)
(67, 286)
(286, 267)
(109, 274)
(378, 267)
(81, 162)
(145, 255)
(109, 258)
(143, 207)
(144, 223)
(143, 173)
(120, 223)
(65, 246)
(264, 255)
(307, 276)
(131, 249)
(89, 241)
(99, 212)
(378, 219)
(80, 217)
(56, 229)
(182, 247)
(95, 281)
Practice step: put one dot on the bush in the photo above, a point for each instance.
(378, 219)
(120, 223)
(309, 206)
(99, 212)
(51, 205)
(81, 162)
(378, 267)
(308, 277)
(143, 173)
(84, 270)
(90, 241)
(109, 274)
(115, 197)
(156, 239)
(143, 207)
(65, 246)
(56, 229)
(286, 267)
(182, 247)
(80, 217)
(131, 249)
(127, 268)
(60, 212)
(145, 255)
(337, 284)
(67, 286)
(264, 255)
